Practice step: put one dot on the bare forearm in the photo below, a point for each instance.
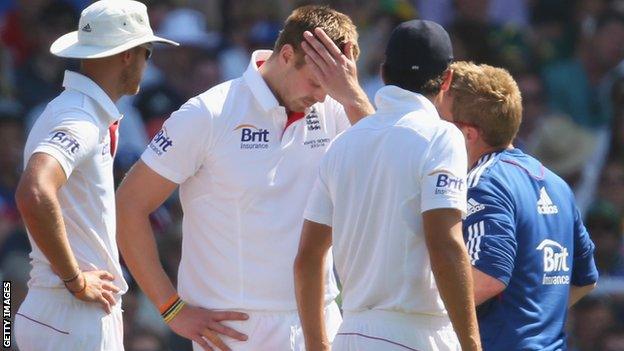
(451, 269)
(42, 214)
(138, 247)
(359, 107)
(309, 277)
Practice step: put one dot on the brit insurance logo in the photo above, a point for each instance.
(161, 142)
(253, 137)
(555, 263)
(446, 184)
(64, 140)
(545, 205)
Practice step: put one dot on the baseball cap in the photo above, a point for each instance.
(106, 28)
(420, 48)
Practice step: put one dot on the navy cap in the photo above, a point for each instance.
(420, 48)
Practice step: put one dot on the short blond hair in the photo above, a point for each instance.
(338, 26)
(489, 98)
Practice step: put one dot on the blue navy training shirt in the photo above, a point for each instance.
(523, 228)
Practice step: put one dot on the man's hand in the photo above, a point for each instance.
(200, 324)
(336, 72)
(95, 286)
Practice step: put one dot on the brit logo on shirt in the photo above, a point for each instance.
(161, 142)
(64, 140)
(555, 263)
(446, 184)
(253, 137)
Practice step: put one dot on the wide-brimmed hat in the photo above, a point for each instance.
(188, 27)
(562, 145)
(106, 28)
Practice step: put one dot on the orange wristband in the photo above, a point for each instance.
(164, 307)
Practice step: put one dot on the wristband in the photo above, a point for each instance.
(171, 308)
(72, 278)
(82, 290)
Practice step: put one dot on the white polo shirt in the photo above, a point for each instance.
(74, 128)
(244, 182)
(374, 183)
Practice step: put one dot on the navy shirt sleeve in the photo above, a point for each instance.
(489, 232)
(584, 270)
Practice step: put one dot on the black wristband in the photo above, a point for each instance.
(72, 278)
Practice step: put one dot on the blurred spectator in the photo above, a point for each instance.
(612, 184)
(604, 224)
(534, 108)
(551, 143)
(591, 318)
(574, 86)
(613, 339)
(191, 68)
(616, 149)
(553, 33)
(17, 27)
(39, 77)
(12, 136)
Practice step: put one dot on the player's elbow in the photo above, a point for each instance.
(30, 195)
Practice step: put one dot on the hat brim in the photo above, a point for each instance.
(69, 47)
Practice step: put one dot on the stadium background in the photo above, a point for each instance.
(566, 55)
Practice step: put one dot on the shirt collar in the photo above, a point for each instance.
(257, 84)
(394, 99)
(85, 85)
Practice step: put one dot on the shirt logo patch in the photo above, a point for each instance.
(545, 205)
(447, 184)
(253, 137)
(474, 206)
(312, 121)
(555, 263)
(161, 142)
(65, 141)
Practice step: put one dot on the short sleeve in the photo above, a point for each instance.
(443, 174)
(320, 207)
(178, 150)
(72, 140)
(489, 232)
(584, 271)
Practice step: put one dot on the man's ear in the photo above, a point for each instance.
(287, 54)
(471, 134)
(447, 80)
(126, 56)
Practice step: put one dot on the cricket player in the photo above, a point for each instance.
(389, 197)
(244, 155)
(66, 193)
(532, 257)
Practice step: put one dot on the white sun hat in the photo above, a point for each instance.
(106, 28)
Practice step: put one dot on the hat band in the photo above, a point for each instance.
(110, 39)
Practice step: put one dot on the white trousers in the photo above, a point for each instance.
(377, 330)
(52, 319)
(276, 331)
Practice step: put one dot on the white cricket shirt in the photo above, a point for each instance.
(374, 183)
(244, 182)
(75, 129)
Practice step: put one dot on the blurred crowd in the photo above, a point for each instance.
(566, 55)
